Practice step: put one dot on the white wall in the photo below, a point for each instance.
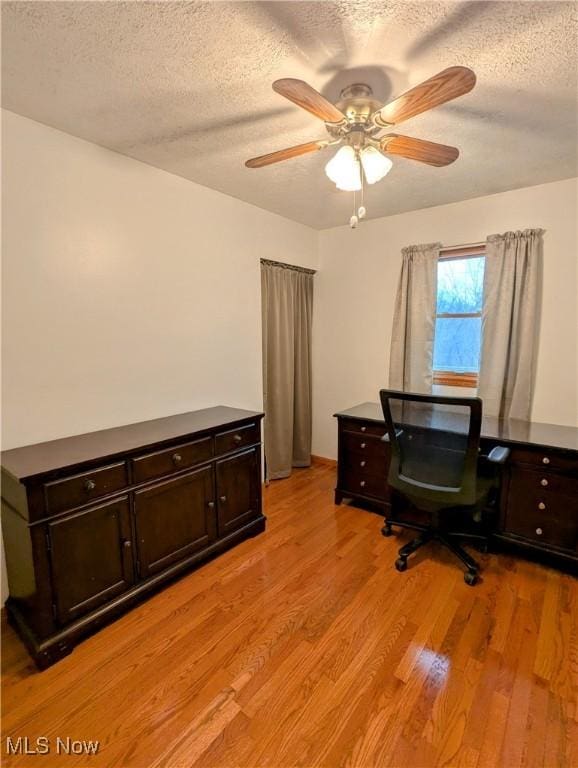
(357, 282)
(129, 293)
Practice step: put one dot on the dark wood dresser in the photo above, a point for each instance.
(92, 523)
(539, 497)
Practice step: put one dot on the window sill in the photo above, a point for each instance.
(453, 379)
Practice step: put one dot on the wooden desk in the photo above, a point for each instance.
(95, 522)
(538, 511)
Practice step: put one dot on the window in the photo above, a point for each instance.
(458, 327)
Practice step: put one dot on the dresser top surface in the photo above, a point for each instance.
(506, 430)
(41, 458)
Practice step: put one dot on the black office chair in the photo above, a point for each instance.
(437, 467)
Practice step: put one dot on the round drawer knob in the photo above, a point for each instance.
(541, 505)
(238, 439)
(362, 445)
(362, 483)
(211, 504)
(361, 463)
(127, 543)
(177, 458)
(223, 498)
(545, 460)
(539, 531)
(544, 482)
(363, 429)
(90, 485)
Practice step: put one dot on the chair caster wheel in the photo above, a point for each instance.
(471, 578)
(401, 564)
(386, 530)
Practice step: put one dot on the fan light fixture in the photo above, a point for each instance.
(344, 171)
(375, 164)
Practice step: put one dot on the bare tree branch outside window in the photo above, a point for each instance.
(459, 313)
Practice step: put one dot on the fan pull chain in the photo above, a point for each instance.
(353, 221)
(358, 213)
(361, 211)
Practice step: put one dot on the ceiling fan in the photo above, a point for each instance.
(358, 120)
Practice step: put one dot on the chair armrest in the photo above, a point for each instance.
(498, 455)
(385, 438)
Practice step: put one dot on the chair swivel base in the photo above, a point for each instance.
(473, 568)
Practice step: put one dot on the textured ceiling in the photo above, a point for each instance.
(187, 87)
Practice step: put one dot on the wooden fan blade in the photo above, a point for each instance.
(285, 154)
(417, 149)
(302, 94)
(445, 86)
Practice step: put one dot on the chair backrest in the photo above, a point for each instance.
(434, 446)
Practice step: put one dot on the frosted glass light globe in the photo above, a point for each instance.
(375, 165)
(344, 171)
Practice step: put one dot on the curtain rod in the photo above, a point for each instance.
(270, 263)
(462, 246)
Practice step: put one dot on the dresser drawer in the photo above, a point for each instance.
(545, 459)
(162, 463)
(362, 427)
(83, 488)
(360, 483)
(248, 434)
(363, 445)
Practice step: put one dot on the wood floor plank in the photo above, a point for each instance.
(547, 650)
(518, 711)
(494, 728)
(304, 647)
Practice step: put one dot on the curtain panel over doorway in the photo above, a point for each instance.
(287, 306)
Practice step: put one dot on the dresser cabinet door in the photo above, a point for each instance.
(174, 519)
(238, 491)
(91, 558)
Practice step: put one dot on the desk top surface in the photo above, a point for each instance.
(31, 460)
(504, 430)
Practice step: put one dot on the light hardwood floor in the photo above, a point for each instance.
(304, 647)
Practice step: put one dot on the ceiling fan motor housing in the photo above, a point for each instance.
(357, 104)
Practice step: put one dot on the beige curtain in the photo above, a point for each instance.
(287, 304)
(412, 338)
(510, 323)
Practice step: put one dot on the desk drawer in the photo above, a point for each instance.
(542, 484)
(363, 446)
(362, 427)
(84, 488)
(162, 463)
(360, 483)
(545, 459)
(370, 464)
(233, 439)
(541, 513)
